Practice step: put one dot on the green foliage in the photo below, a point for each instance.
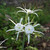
(31, 48)
(44, 17)
(10, 48)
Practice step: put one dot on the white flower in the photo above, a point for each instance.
(18, 27)
(29, 29)
(28, 11)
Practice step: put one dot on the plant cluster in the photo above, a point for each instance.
(28, 28)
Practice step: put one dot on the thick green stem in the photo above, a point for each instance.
(24, 33)
(23, 42)
(26, 18)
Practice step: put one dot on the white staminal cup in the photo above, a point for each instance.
(29, 29)
(18, 27)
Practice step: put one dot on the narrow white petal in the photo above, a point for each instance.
(22, 30)
(20, 8)
(10, 30)
(24, 25)
(36, 25)
(36, 14)
(38, 10)
(28, 38)
(39, 32)
(17, 36)
(3, 41)
(12, 21)
(21, 11)
(21, 20)
(2, 47)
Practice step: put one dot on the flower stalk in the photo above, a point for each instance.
(23, 41)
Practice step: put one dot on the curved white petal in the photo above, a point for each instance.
(21, 20)
(12, 21)
(10, 30)
(28, 38)
(39, 32)
(37, 10)
(21, 11)
(36, 14)
(22, 31)
(20, 8)
(36, 25)
(3, 41)
(17, 36)
(2, 47)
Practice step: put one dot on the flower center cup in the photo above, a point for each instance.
(18, 27)
(29, 11)
(29, 29)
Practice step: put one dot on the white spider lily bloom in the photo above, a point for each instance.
(29, 11)
(18, 27)
(29, 29)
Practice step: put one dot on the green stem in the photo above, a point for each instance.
(24, 33)
(26, 18)
(23, 42)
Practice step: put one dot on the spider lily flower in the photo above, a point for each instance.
(29, 11)
(29, 29)
(18, 27)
